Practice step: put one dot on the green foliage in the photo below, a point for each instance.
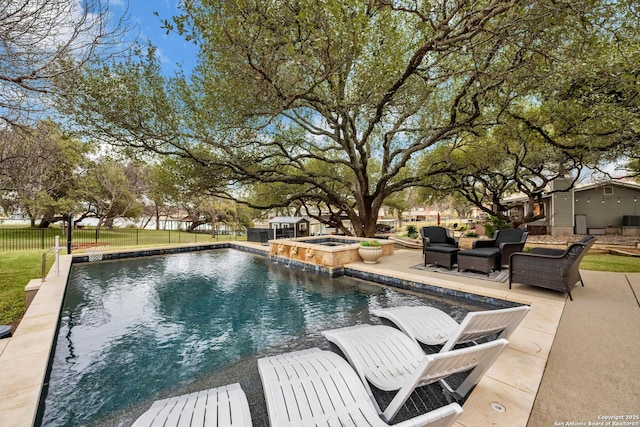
(46, 188)
(370, 243)
(412, 231)
(341, 107)
(109, 188)
(575, 112)
(493, 224)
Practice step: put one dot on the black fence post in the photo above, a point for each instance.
(69, 232)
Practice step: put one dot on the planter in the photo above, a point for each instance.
(370, 254)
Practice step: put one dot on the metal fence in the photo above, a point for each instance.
(24, 239)
(21, 239)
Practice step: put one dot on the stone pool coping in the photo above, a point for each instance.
(512, 382)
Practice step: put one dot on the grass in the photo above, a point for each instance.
(612, 263)
(16, 270)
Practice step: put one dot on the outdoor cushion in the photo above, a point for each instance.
(480, 252)
(437, 236)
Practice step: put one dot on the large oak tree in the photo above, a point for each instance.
(330, 103)
(580, 113)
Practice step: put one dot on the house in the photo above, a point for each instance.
(611, 207)
(289, 226)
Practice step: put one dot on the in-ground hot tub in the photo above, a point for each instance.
(323, 251)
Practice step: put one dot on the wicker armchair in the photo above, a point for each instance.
(554, 269)
(507, 241)
(437, 236)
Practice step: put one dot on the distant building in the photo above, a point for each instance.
(289, 226)
(611, 207)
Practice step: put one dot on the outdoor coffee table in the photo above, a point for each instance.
(440, 255)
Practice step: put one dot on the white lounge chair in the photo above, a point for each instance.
(224, 406)
(434, 327)
(390, 360)
(315, 387)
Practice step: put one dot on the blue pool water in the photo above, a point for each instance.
(133, 331)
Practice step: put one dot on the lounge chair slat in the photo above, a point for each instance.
(373, 360)
(431, 326)
(199, 409)
(224, 406)
(339, 397)
(173, 417)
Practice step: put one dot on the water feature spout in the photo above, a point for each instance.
(311, 254)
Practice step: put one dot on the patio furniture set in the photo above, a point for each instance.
(556, 269)
(440, 249)
(318, 387)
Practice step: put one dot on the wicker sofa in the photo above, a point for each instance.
(554, 269)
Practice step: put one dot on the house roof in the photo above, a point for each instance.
(578, 188)
(287, 220)
(617, 183)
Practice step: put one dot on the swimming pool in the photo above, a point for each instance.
(137, 330)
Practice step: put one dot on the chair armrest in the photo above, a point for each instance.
(518, 246)
(548, 251)
(426, 241)
(486, 243)
(540, 261)
(452, 241)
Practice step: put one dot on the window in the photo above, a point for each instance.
(538, 209)
(608, 191)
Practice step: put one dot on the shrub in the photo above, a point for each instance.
(494, 223)
(369, 243)
(412, 231)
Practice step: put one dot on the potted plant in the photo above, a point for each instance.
(370, 251)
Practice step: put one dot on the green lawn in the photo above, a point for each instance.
(16, 270)
(614, 263)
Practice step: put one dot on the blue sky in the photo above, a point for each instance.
(172, 49)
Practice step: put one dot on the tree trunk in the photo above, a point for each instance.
(109, 223)
(47, 218)
(195, 224)
(365, 220)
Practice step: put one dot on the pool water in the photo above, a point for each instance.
(134, 331)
